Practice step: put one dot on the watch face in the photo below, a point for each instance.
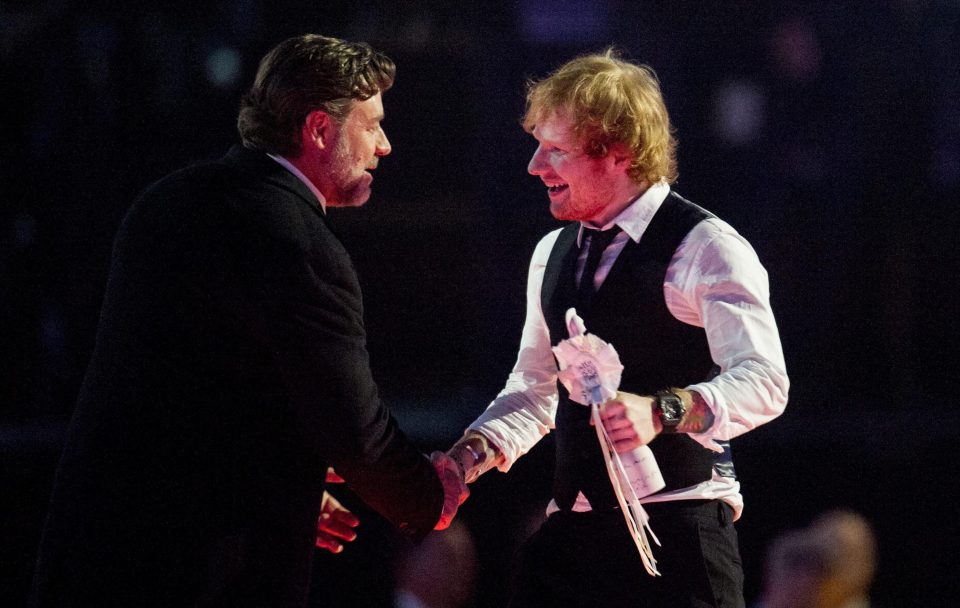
(671, 409)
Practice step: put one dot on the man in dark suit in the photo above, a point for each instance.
(230, 367)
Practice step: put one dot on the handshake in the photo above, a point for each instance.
(463, 463)
(455, 491)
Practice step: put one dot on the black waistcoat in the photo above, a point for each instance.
(657, 351)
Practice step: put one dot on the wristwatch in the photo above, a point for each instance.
(670, 410)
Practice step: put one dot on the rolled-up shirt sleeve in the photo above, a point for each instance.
(524, 411)
(716, 281)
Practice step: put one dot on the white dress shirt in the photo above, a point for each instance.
(714, 281)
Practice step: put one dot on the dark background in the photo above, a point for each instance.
(829, 136)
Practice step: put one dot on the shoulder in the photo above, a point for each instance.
(719, 239)
(174, 203)
(546, 243)
(714, 252)
(222, 201)
(541, 254)
(705, 231)
(191, 181)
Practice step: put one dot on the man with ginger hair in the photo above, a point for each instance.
(685, 302)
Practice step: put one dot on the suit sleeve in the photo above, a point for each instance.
(313, 315)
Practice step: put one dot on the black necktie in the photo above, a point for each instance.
(598, 241)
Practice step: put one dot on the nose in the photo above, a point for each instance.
(383, 144)
(537, 165)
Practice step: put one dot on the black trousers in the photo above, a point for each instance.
(588, 559)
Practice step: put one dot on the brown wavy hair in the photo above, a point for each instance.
(303, 74)
(610, 101)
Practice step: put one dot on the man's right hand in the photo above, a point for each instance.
(475, 454)
(455, 490)
(630, 421)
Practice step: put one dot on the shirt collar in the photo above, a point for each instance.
(292, 169)
(636, 217)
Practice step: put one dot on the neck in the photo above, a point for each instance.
(624, 196)
(304, 176)
(304, 167)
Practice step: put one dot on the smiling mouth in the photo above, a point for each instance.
(557, 189)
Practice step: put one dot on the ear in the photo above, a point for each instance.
(316, 130)
(622, 157)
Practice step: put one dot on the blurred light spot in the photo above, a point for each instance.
(796, 50)
(223, 67)
(563, 21)
(739, 113)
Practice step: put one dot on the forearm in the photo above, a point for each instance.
(748, 395)
(516, 421)
(633, 420)
(697, 417)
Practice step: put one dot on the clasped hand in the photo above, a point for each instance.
(455, 490)
(336, 523)
(629, 421)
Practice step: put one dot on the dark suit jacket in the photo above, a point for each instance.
(230, 369)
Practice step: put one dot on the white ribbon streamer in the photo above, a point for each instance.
(638, 522)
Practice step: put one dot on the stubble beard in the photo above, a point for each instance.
(570, 210)
(350, 191)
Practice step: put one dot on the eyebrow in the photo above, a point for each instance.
(553, 141)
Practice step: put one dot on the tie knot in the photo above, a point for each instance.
(601, 239)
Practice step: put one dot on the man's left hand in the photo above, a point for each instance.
(630, 421)
(335, 525)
